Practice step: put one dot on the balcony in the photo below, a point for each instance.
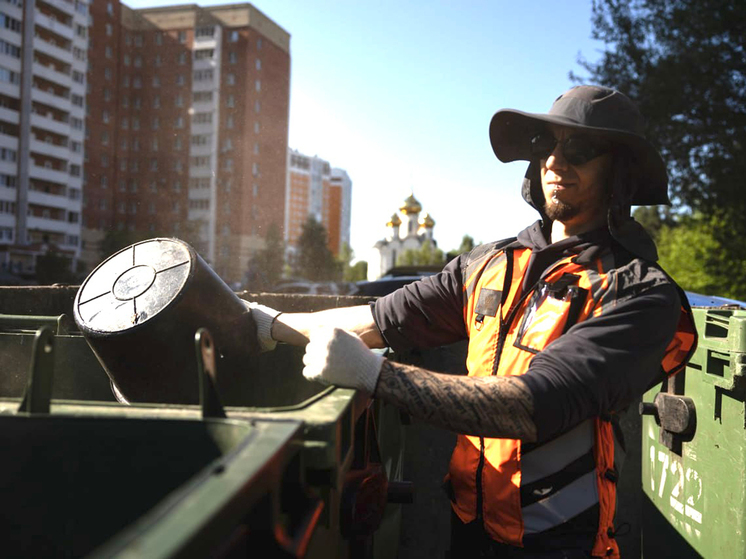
(56, 51)
(204, 106)
(50, 200)
(201, 150)
(51, 99)
(200, 172)
(51, 175)
(53, 25)
(63, 6)
(204, 64)
(44, 148)
(9, 115)
(49, 73)
(48, 123)
(8, 168)
(204, 85)
(202, 128)
(10, 89)
(53, 225)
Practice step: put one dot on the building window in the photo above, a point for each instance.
(159, 38)
(156, 81)
(230, 79)
(151, 208)
(105, 117)
(135, 123)
(258, 85)
(182, 58)
(232, 58)
(153, 187)
(138, 61)
(230, 101)
(177, 186)
(137, 102)
(138, 40)
(233, 37)
(205, 31)
(108, 53)
(258, 64)
(104, 182)
(229, 122)
(257, 106)
(180, 79)
(153, 164)
(158, 61)
(256, 127)
(177, 143)
(179, 123)
(179, 101)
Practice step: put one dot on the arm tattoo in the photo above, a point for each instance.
(498, 407)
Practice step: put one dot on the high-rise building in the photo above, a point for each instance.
(187, 128)
(43, 48)
(316, 190)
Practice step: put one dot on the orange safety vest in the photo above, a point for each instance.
(506, 329)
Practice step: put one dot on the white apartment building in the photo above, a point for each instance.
(43, 49)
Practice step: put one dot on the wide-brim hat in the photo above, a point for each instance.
(597, 110)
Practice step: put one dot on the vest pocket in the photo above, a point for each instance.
(552, 309)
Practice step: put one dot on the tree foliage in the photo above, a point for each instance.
(689, 250)
(266, 266)
(351, 272)
(54, 267)
(428, 254)
(314, 261)
(467, 245)
(684, 63)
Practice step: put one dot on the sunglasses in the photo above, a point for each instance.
(576, 150)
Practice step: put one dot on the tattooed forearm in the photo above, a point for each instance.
(500, 407)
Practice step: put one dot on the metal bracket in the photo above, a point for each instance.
(39, 388)
(676, 414)
(208, 393)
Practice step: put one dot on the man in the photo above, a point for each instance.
(567, 324)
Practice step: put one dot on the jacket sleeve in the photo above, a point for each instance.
(426, 313)
(601, 365)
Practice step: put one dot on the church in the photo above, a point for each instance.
(408, 232)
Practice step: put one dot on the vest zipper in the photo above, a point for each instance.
(501, 337)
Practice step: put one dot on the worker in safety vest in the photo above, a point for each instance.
(568, 323)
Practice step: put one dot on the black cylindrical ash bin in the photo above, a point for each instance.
(139, 310)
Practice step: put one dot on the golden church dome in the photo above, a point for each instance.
(411, 206)
(395, 221)
(426, 221)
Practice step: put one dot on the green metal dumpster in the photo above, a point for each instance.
(338, 457)
(694, 447)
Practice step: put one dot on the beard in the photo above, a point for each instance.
(557, 210)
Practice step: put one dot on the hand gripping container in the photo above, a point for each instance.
(694, 447)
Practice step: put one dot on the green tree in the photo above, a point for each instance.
(689, 250)
(266, 266)
(467, 244)
(684, 63)
(351, 272)
(314, 261)
(426, 255)
(54, 267)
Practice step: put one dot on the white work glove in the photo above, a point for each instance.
(334, 356)
(263, 317)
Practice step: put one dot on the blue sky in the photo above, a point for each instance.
(400, 95)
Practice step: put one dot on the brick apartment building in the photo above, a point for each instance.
(43, 47)
(317, 190)
(186, 130)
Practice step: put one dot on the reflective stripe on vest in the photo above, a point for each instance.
(506, 329)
